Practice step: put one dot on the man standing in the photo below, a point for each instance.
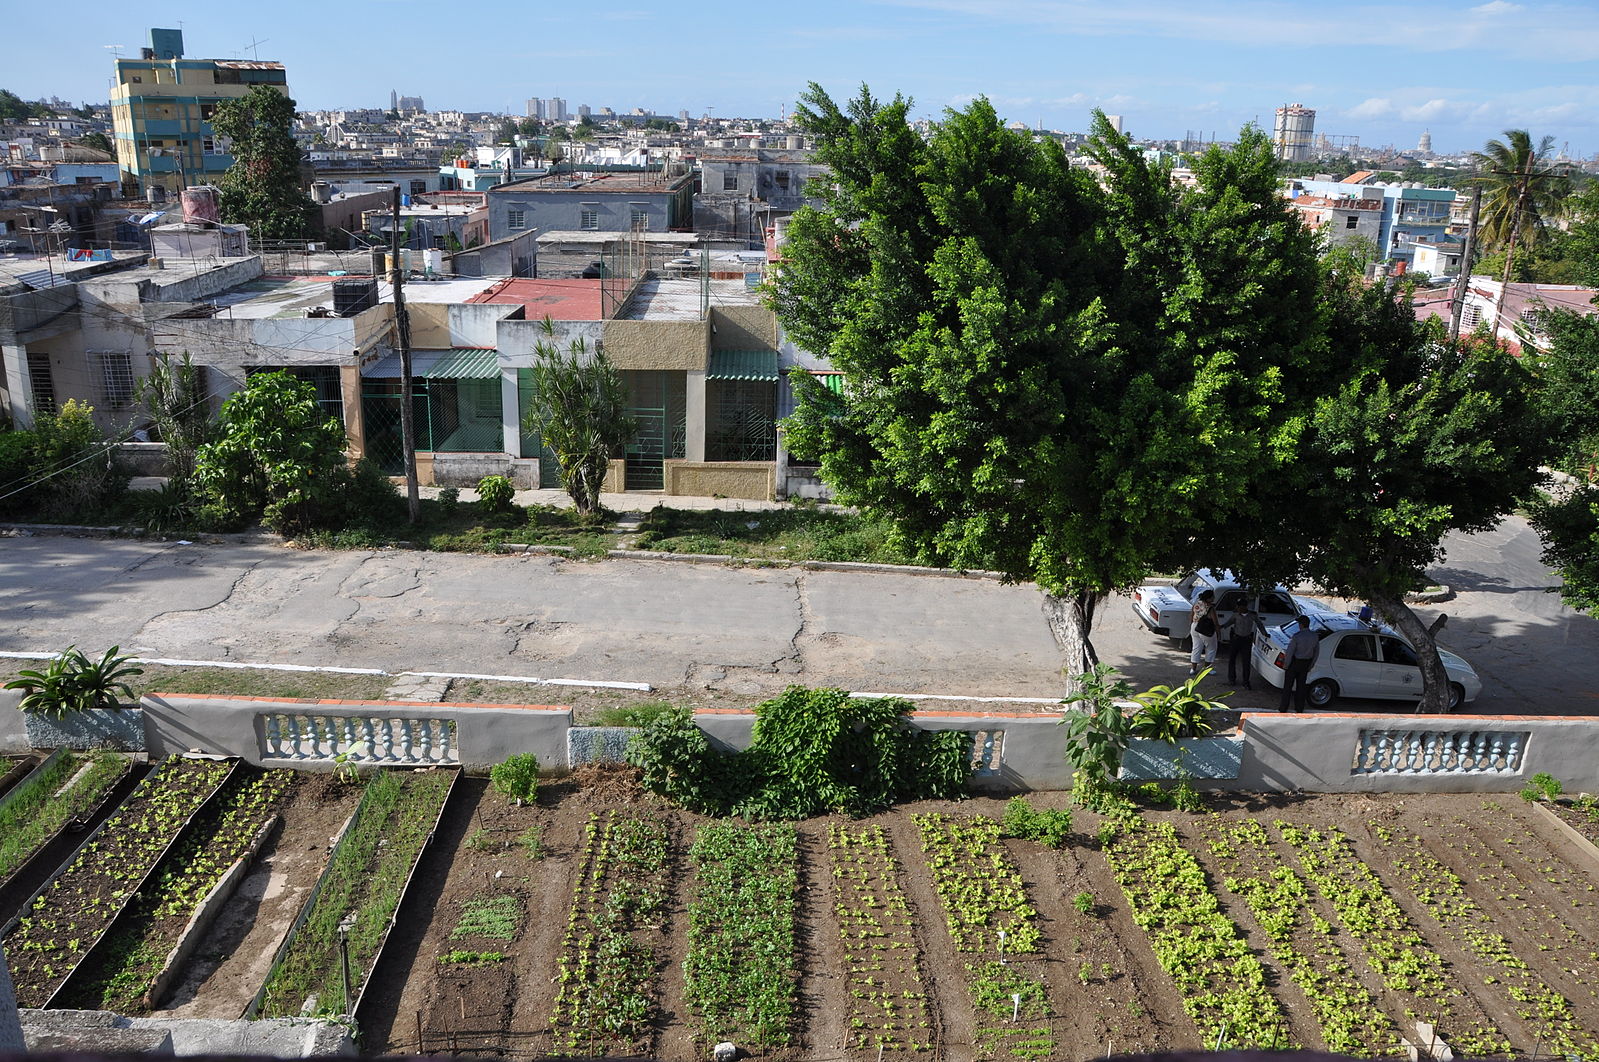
(1240, 636)
(1301, 653)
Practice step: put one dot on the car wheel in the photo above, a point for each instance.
(1321, 693)
(1457, 696)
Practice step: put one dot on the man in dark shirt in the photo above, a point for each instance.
(1301, 654)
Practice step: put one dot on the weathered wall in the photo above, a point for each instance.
(743, 328)
(235, 726)
(753, 480)
(658, 344)
(13, 733)
(516, 339)
(439, 326)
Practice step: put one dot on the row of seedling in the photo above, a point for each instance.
(994, 927)
(611, 952)
(741, 970)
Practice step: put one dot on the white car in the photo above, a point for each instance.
(1359, 658)
(1166, 610)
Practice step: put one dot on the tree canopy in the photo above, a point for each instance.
(1522, 185)
(262, 189)
(1068, 385)
(578, 407)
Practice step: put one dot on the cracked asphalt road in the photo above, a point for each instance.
(746, 631)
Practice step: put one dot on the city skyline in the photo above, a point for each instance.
(1383, 74)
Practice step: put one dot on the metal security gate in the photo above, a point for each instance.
(532, 443)
(657, 402)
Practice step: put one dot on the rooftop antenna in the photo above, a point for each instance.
(255, 47)
(115, 49)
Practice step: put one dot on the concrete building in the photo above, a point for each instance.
(1441, 259)
(1342, 219)
(1411, 214)
(1513, 314)
(744, 193)
(1294, 131)
(410, 104)
(595, 202)
(161, 110)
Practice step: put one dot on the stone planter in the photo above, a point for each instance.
(1211, 757)
(100, 728)
(598, 744)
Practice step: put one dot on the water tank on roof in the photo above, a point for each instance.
(200, 205)
(352, 296)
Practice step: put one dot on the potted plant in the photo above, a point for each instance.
(78, 702)
(1170, 726)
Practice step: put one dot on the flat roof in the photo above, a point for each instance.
(679, 300)
(596, 183)
(599, 239)
(557, 299)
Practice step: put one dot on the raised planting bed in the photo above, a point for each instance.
(608, 1000)
(887, 1006)
(1223, 984)
(66, 788)
(15, 769)
(70, 913)
(132, 961)
(365, 880)
(741, 967)
(995, 930)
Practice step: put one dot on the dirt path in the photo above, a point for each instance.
(233, 960)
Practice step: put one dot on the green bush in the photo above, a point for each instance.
(813, 752)
(495, 493)
(72, 472)
(1050, 828)
(517, 777)
(72, 682)
(1542, 786)
(449, 500)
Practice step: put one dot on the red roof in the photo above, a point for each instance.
(559, 300)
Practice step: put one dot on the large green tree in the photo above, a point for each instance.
(579, 409)
(262, 189)
(1069, 385)
(1522, 185)
(1420, 439)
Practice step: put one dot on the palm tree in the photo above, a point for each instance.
(1521, 187)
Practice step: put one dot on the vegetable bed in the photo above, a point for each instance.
(63, 922)
(364, 881)
(120, 974)
(65, 787)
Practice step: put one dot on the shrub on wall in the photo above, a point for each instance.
(813, 752)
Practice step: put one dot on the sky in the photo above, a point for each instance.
(1383, 73)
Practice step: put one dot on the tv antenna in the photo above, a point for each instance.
(114, 49)
(255, 47)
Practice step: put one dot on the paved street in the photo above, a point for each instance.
(675, 625)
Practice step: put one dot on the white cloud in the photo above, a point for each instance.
(1496, 7)
(1375, 107)
(1430, 111)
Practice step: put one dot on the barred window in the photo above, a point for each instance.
(729, 180)
(589, 219)
(43, 384)
(516, 219)
(116, 379)
(638, 218)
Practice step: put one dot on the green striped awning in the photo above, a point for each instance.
(456, 363)
(833, 381)
(743, 365)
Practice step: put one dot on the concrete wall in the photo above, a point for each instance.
(658, 344)
(753, 480)
(232, 726)
(438, 326)
(743, 328)
(13, 732)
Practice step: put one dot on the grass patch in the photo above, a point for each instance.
(798, 534)
(35, 814)
(238, 682)
(641, 714)
(495, 918)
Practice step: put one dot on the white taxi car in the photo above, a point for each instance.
(1361, 659)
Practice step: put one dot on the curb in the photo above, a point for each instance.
(1430, 596)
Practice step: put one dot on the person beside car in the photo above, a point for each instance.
(1203, 625)
(1240, 635)
(1301, 654)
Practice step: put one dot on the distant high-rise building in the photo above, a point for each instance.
(394, 99)
(411, 103)
(161, 110)
(535, 107)
(584, 111)
(557, 109)
(1294, 132)
(607, 113)
(1115, 121)
(1424, 145)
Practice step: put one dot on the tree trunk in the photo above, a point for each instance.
(1434, 679)
(1071, 619)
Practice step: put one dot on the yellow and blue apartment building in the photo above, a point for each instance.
(161, 110)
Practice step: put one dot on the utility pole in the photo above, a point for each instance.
(1463, 278)
(402, 321)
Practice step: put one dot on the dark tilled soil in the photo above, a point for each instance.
(1107, 991)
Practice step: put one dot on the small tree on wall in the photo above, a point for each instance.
(579, 408)
(262, 188)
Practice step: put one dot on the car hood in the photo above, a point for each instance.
(1454, 663)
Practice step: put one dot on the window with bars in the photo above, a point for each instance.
(1471, 316)
(325, 378)
(589, 218)
(43, 384)
(729, 180)
(638, 218)
(516, 219)
(116, 379)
